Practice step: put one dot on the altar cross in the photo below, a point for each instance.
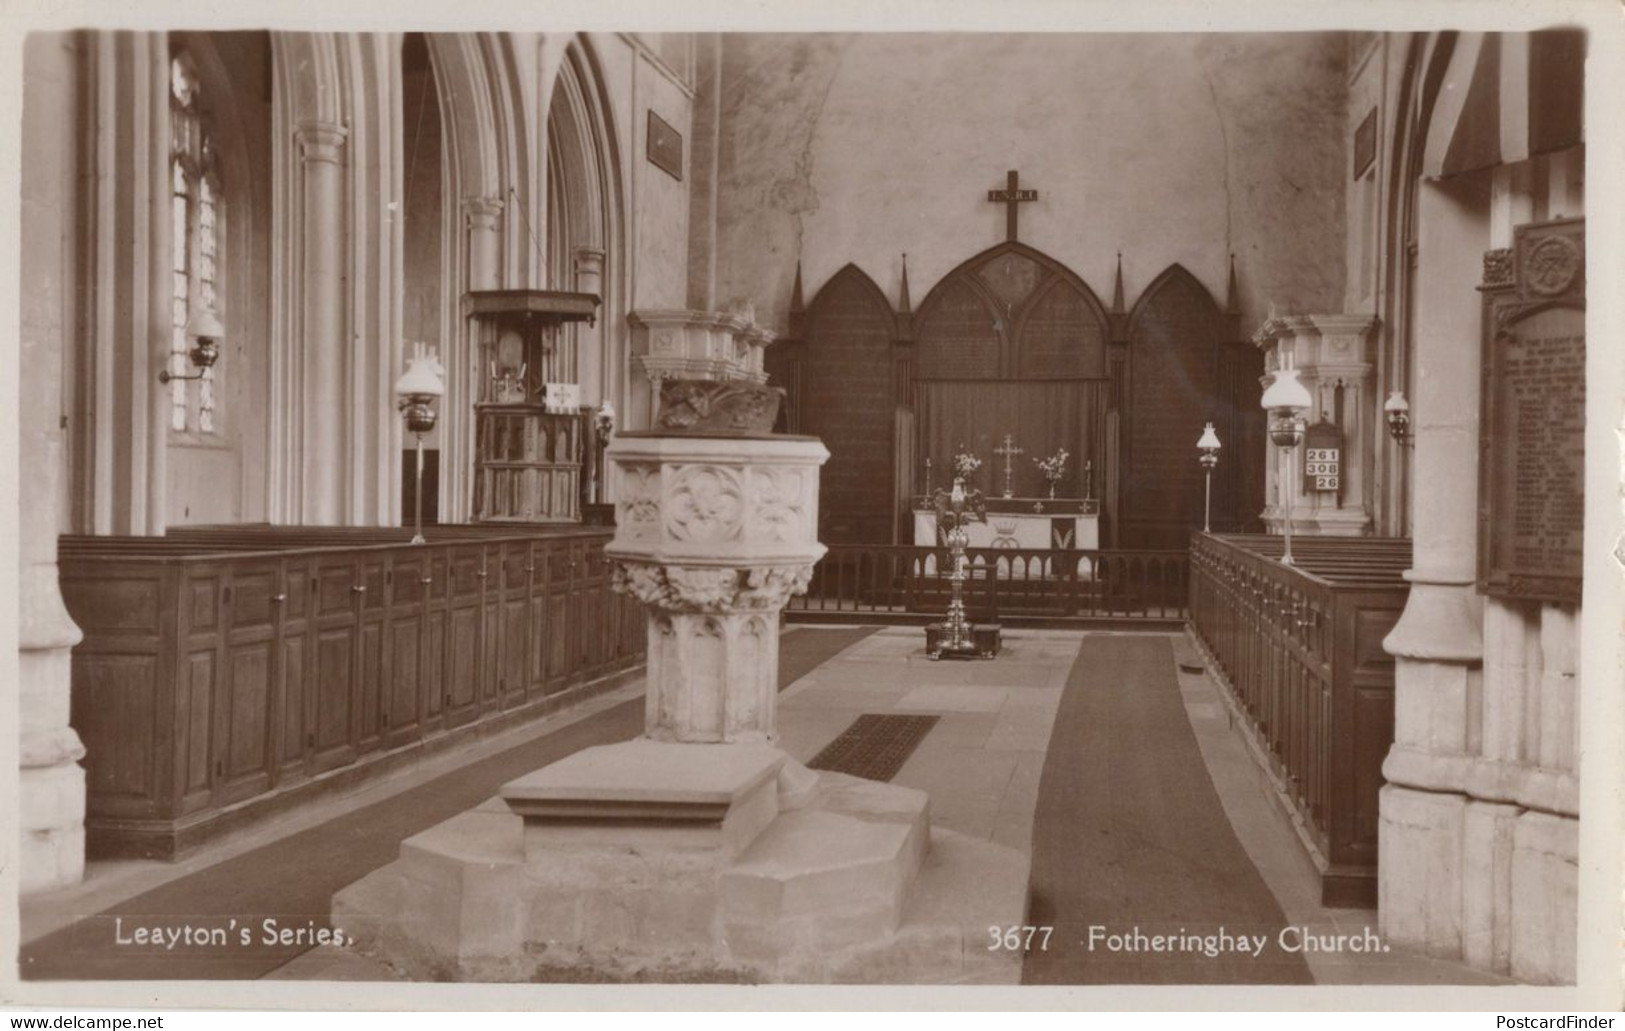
(1011, 197)
(1009, 451)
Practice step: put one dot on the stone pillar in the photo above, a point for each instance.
(593, 368)
(51, 788)
(715, 535)
(462, 358)
(1438, 643)
(51, 785)
(326, 375)
(484, 241)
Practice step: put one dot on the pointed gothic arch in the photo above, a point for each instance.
(846, 396)
(1011, 341)
(582, 218)
(1039, 320)
(1176, 381)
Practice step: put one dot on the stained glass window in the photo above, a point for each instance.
(196, 209)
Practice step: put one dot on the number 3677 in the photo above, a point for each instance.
(1024, 938)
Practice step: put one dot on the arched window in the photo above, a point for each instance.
(196, 211)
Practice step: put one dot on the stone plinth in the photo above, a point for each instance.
(699, 851)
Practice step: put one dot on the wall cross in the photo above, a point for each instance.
(1011, 197)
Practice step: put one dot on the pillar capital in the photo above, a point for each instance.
(321, 141)
(589, 261)
(482, 212)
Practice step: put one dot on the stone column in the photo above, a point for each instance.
(321, 149)
(484, 216)
(1438, 644)
(462, 358)
(715, 535)
(51, 785)
(593, 367)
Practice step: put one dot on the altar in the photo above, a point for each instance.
(1027, 524)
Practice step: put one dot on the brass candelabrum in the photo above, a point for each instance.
(954, 637)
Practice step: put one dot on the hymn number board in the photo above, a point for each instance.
(1532, 451)
(1323, 468)
(1323, 458)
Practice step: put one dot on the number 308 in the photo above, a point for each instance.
(1014, 939)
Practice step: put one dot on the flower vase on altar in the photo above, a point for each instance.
(1053, 468)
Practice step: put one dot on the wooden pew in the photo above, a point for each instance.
(1299, 649)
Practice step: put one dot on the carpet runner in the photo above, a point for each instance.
(1135, 864)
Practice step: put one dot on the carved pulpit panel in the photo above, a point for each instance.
(1532, 431)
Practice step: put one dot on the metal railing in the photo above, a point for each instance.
(909, 584)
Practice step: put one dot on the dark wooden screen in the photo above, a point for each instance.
(1012, 342)
(1061, 336)
(957, 335)
(847, 399)
(1175, 332)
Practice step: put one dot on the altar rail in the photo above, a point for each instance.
(908, 584)
(1299, 649)
(228, 671)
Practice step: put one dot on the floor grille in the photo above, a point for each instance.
(875, 746)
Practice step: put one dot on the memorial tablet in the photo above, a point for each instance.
(1532, 449)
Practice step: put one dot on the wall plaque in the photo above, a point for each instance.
(1532, 430)
(665, 146)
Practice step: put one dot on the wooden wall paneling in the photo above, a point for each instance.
(435, 656)
(335, 718)
(201, 656)
(246, 696)
(513, 590)
(403, 694)
(295, 656)
(541, 558)
(463, 634)
(373, 666)
(579, 639)
(490, 628)
(212, 682)
(596, 626)
(121, 693)
(560, 639)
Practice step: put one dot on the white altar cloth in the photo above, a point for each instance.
(1013, 523)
